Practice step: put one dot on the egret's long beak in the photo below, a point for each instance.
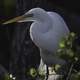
(19, 18)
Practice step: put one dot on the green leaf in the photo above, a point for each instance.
(33, 72)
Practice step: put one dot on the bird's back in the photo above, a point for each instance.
(52, 38)
(58, 23)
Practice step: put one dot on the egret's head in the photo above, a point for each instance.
(35, 14)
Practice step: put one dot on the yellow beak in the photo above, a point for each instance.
(14, 19)
(19, 18)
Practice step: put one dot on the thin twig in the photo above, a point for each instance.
(69, 73)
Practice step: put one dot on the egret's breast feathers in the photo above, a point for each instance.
(50, 39)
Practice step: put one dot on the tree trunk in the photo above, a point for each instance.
(24, 54)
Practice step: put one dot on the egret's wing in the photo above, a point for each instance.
(51, 39)
(50, 59)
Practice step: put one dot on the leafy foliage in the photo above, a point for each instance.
(65, 52)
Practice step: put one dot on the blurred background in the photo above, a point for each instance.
(17, 51)
(7, 10)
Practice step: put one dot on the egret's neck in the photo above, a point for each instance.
(40, 27)
(44, 24)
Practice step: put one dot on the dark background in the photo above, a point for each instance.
(17, 51)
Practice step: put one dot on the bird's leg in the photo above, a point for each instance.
(47, 73)
(54, 67)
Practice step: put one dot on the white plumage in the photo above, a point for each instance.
(46, 31)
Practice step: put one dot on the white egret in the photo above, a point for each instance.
(46, 31)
